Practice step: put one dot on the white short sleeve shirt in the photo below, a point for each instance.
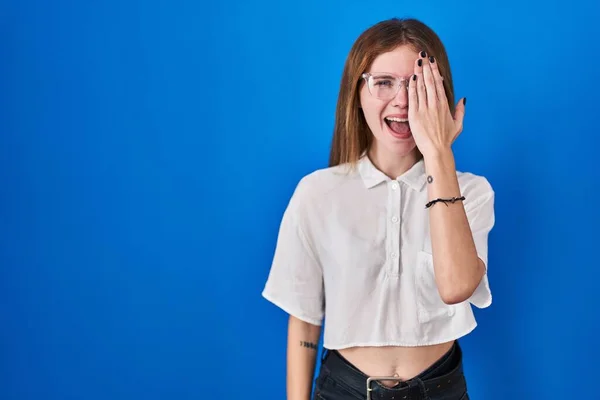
(354, 252)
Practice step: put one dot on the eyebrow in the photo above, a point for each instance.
(384, 76)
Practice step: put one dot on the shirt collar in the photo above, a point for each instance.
(414, 177)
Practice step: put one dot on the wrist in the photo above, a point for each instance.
(441, 174)
(439, 157)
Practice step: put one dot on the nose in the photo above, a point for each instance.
(401, 98)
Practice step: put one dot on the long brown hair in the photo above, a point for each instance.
(351, 135)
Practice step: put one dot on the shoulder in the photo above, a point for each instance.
(319, 184)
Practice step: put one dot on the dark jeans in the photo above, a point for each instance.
(340, 380)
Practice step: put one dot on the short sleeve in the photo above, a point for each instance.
(481, 220)
(295, 280)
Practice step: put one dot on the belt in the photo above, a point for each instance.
(346, 375)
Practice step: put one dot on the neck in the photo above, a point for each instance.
(391, 164)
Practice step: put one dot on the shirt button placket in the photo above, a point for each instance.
(394, 232)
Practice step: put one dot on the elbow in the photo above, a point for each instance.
(452, 297)
(454, 292)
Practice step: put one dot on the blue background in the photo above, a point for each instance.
(148, 150)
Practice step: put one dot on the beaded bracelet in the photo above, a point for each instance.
(445, 201)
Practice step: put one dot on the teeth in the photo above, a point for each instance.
(396, 119)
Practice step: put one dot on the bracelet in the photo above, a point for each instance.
(445, 201)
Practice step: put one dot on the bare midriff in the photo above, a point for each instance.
(401, 362)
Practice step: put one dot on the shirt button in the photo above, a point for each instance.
(394, 219)
(394, 185)
(394, 255)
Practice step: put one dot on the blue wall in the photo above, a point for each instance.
(148, 149)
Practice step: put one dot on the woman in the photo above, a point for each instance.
(387, 247)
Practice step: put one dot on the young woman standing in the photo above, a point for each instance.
(388, 245)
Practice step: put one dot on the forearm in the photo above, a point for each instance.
(303, 339)
(458, 269)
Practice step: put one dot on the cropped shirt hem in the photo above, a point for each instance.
(450, 338)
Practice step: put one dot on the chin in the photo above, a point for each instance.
(402, 148)
(385, 142)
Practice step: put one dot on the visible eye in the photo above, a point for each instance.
(384, 82)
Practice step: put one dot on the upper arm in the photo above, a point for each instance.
(295, 281)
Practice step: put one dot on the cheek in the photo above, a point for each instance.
(372, 109)
(373, 114)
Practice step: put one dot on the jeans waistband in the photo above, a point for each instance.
(429, 381)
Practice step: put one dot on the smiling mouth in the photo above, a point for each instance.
(399, 126)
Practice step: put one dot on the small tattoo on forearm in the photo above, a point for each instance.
(429, 179)
(308, 345)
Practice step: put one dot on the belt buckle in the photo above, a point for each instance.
(379, 378)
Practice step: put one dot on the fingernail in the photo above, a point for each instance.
(414, 77)
(431, 59)
(464, 101)
(420, 63)
(423, 54)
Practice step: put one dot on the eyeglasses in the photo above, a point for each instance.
(384, 85)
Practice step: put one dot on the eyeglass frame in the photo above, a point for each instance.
(368, 75)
